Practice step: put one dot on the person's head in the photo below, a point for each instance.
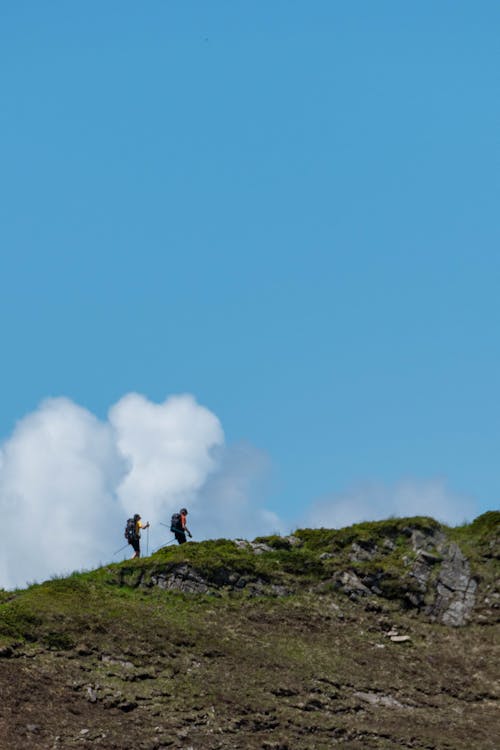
(137, 517)
(184, 512)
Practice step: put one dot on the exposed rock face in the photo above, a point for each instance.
(362, 551)
(413, 566)
(352, 585)
(182, 578)
(456, 589)
(188, 580)
(421, 541)
(438, 580)
(442, 584)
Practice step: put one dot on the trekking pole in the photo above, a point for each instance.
(119, 550)
(147, 542)
(164, 545)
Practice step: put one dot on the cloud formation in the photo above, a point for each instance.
(231, 498)
(69, 481)
(56, 491)
(374, 501)
(169, 450)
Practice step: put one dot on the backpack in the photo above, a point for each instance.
(130, 533)
(176, 523)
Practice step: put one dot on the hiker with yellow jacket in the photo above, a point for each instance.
(133, 534)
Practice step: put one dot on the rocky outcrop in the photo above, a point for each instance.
(362, 551)
(437, 580)
(258, 547)
(456, 589)
(441, 568)
(187, 579)
(182, 578)
(413, 565)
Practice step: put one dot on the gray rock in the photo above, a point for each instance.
(376, 699)
(362, 552)
(183, 578)
(400, 638)
(293, 541)
(418, 539)
(455, 571)
(421, 571)
(352, 585)
(186, 579)
(256, 547)
(427, 540)
(119, 662)
(456, 589)
(259, 547)
(242, 543)
(278, 590)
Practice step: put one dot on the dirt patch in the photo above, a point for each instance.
(258, 676)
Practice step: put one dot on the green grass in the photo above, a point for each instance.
(97, 600)
(480, 542)
(254, 672)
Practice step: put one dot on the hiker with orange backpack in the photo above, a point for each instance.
(178, 526)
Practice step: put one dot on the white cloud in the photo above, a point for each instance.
(169, 448)
(230, 500)
(377, 501)
(69, 481)
(56, 496)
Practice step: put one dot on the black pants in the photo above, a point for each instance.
(134, 543)
(180, 536)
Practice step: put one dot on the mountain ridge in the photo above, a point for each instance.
(379, 635)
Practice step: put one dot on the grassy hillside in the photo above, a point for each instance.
(325, 638)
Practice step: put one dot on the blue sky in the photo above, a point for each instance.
(286, 209)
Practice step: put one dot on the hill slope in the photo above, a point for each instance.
(381, 635)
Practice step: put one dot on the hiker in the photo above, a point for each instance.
(133, 534)
(178, 526)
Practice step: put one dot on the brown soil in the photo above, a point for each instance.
(306, 673)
